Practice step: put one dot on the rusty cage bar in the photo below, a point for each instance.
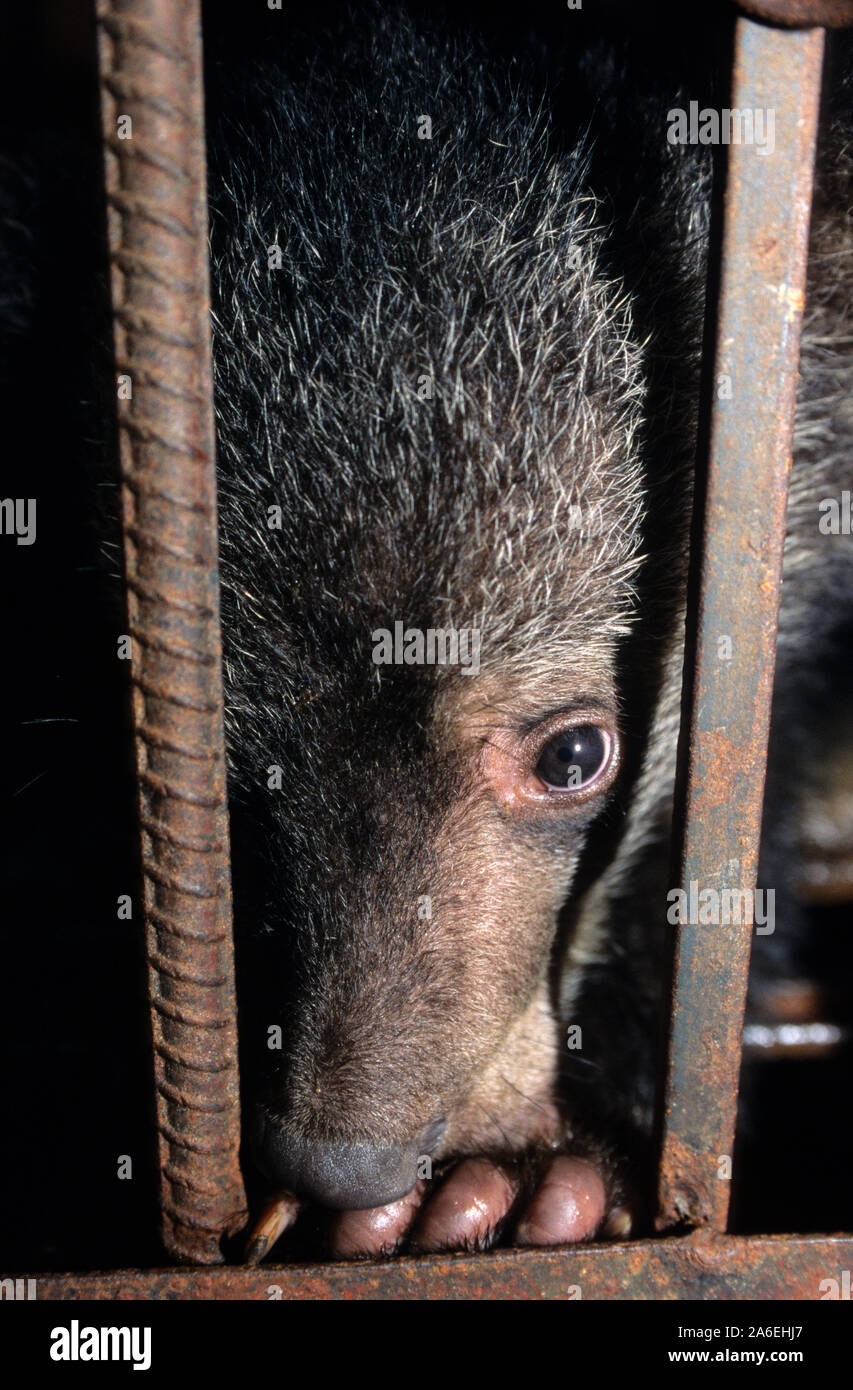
(761, 308)
(156, 197)
(151, 74)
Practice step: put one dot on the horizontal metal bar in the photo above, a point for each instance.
(829, 14)
(765, 236)
(703, 1265)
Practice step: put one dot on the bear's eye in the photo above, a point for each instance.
(574, 758)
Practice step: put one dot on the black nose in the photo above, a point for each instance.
(344, 1176)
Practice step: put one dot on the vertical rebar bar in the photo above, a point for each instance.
(152, 108)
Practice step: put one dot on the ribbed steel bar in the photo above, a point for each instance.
(765, 234)
(151, 87)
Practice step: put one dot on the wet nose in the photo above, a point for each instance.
(343, 1176)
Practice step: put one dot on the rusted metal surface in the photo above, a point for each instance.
(800, 14)
(150, 55)
(768, 199)
(704, 1265)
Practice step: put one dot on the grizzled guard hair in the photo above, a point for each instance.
(457, 384)
(469, 261)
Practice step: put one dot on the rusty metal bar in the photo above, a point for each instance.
(829, 14)
(704, 1265)
(767, 206)
(151, 89)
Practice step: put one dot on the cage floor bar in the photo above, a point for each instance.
(704, 1265)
